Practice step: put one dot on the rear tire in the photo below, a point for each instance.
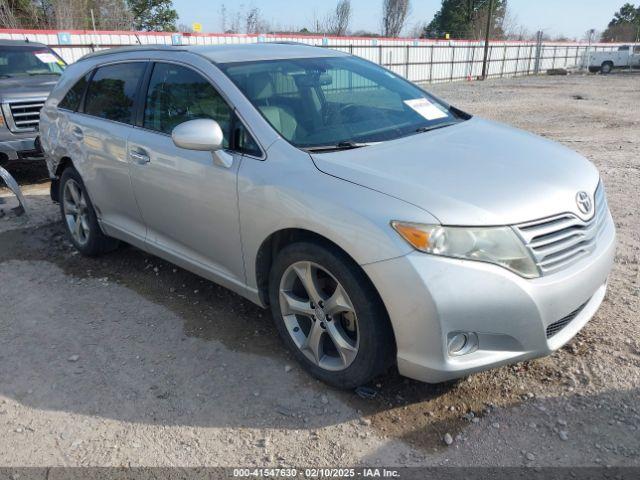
(365, 345)
(79, 217)
(606, 68)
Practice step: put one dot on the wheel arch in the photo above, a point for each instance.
(609, 64)
(63, 164)
(278, 240)
(287, 236)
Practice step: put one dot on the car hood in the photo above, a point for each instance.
(29, 86)
(476, 172)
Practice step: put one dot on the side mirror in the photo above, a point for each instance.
(201, 134)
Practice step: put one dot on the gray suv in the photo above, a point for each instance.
(28, 72)
(379, 224)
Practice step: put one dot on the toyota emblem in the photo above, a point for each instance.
(584, 202)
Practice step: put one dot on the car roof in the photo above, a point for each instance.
(18, 43)
(261, 51)
(233, 53)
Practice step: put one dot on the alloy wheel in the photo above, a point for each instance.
(319, 315)
(74, 203)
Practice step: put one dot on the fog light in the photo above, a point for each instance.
(461, 343)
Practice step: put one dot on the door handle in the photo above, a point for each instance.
(77, 132)
(140, 157)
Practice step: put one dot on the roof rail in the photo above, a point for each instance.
(133, 48)
(290, 42)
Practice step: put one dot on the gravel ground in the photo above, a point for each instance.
(128, 360)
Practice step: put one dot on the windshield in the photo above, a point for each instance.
(29, 60)
(336, 101)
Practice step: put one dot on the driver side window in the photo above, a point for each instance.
(177, 94)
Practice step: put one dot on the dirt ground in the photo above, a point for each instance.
(128, 360)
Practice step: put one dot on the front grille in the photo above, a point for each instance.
(558, 242)
(23, 115)
(555, 327)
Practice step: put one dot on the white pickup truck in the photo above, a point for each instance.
(626, 56)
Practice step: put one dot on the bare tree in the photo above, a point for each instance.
(394, 16)
(478, 23)
(236, 21)
(337, 22)
(417, 29)
(251, 20)
(254, 23)
(71, 14)
(23, 14)
(66, 14)
(7, 16)
(513, 29)
(112, 14)
(223, 18)
(592, 35)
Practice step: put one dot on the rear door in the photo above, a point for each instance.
(188, 202)
(101, 131)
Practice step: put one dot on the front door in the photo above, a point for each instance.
(189, 203)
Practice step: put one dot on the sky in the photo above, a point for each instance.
(568, 17)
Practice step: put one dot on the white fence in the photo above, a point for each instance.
(418, 60)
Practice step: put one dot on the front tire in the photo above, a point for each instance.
(329, 315)
(79, 216)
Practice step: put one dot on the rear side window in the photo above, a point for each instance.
(177, 94)
(112, 91)
(71, 100)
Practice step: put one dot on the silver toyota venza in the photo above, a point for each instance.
(379, 224)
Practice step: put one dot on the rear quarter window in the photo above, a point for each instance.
(71, 100)
(112, 91)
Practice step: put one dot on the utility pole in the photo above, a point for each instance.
(585, 61)
(536, 68)
(486, 40)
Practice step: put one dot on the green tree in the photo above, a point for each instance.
(466, 19)
(153, 15)
(625, 25)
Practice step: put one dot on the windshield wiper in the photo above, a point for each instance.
(434, 127)
(346, 145)
(44, 73)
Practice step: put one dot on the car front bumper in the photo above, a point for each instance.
(21, 149)
(428, 297)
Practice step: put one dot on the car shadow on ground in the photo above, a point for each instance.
(28, 173)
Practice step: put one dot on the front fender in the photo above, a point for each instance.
(287, 191)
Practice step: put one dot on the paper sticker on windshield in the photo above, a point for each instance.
(46, 57)
(425, 108)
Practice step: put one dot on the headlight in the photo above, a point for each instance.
(498, 245)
